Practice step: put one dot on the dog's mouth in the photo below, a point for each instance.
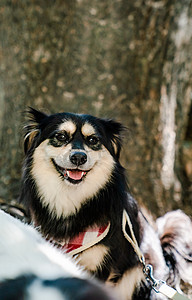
(73, 175)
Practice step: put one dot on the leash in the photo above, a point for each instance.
(159, 286)
(92, 237)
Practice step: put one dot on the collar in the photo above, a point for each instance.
(85, 239)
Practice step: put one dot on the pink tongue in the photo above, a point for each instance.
(75, 174)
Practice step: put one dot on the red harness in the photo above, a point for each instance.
(85, 239)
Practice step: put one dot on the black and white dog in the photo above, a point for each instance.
(32, 269)
(75, 190)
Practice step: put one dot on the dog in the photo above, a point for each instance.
(76, 193)
(33, 269)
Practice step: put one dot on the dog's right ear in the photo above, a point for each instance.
(114, 131)
(32, 130)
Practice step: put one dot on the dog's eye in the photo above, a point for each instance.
(62, 137)
(92, 140)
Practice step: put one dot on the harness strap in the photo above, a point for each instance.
(84, 240)
(159, 286)
(87, 241)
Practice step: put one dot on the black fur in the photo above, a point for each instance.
(14, 289)
(67, 288)
(107, 205)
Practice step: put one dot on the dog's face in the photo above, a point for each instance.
(73, 157)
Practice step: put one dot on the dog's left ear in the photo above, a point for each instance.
(115, 131)
(35, 117)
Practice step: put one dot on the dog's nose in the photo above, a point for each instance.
(78, 158)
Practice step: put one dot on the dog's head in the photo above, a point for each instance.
(73, 156)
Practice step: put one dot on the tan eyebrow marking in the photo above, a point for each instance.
(87, 129)
(68, 126)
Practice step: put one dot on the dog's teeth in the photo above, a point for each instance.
(66, 174)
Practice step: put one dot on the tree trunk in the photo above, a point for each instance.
(130, 60)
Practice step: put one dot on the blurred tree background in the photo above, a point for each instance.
(122, 59)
